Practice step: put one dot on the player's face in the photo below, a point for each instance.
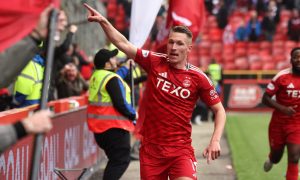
(295, 60)
(179, 46)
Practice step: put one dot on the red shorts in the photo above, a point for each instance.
(155, 168)
(283, 131)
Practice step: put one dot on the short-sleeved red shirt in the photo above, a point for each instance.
(286, 88)
(171, 96)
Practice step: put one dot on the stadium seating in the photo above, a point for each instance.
(262, 55)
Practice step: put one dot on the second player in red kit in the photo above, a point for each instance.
(284, 128)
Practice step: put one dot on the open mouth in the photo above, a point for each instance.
(172, 55)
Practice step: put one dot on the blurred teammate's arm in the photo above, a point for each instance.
(39, 122)
(14, 59)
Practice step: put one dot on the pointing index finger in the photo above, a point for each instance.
(88, 7)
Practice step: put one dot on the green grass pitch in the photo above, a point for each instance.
(247, 135)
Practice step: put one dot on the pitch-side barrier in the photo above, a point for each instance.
(68, 150)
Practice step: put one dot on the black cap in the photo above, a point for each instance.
(102, 56)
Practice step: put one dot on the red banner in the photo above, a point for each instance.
(189, 13)
(18, 18)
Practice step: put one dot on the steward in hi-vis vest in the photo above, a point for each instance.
(102, 115)
(28, 86)
(109, 113)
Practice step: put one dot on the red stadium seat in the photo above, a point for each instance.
(215, 34)
(195, 51)
(281, 28)
(204, 52)
(228, 50)
(229, 66)
(257, 65)
(285, 15)
(277, 51)
(204, 61)
(253, 58)
(253, 45)
(241, 63)
(194, 59)
(228, 58)
(228, 47)
(289, 45)
(279, 58)
(241, 44)
(252, 51)
(266, 58)
(283, 65)
(269, 66)
(265, 45)
(240, 52)
(279, 37)
(278, 44)
(264, 52)
(205, 44)
(217, 45)
(205, 36)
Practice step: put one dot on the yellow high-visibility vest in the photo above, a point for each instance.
(101, 114)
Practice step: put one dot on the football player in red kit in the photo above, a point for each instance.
(284, 128)
(173, 87)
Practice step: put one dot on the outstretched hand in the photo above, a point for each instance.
(212, 152)
(94, 15)
(41, 29)
(39, 122)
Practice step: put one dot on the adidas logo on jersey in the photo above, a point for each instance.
(164, 74)
(291, 85)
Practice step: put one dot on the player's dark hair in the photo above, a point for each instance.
(182, 29)
(293, 50)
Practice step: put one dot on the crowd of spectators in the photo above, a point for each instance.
(260, 20)
(72, 68)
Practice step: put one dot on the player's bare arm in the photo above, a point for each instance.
(213, 150)
(268, 101)
(112, 34)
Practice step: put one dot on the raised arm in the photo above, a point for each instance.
(213, 150)
(112, 34)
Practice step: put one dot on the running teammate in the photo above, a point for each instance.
(173, 87)
(284, 128)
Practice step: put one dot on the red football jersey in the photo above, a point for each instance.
(286, 88)
(171, 96)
